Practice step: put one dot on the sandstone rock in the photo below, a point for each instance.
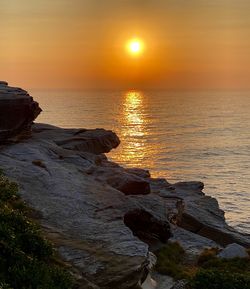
(163, 281)
(81, 212)
(95, 141)
(193, 244)
(129, 184)
(145, 226)
(201, 213)
(233, 251)
(17, 111)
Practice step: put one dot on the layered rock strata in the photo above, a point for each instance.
(102, 231)
(17, 111)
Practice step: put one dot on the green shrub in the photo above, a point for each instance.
(217, 273)
(170, 259)
(237, 265)
(213, 279)
(26, 257)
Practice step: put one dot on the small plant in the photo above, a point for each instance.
(239, 265)
(217, 273)
(213, 279)
(210, 272)
(170, 261)
(207, 254)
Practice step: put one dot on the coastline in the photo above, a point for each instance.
(105, 221)
(102, 218)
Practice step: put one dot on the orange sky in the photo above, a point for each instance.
(189, 44)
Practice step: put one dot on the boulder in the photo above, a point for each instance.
(233, 251)
(18, 110)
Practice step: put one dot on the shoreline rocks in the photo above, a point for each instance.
(90, 220)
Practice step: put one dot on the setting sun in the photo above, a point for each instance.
(135, 46)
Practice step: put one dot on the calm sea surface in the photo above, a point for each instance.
(181, 136)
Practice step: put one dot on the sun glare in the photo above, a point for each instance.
(135, 46)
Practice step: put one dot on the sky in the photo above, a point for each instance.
(81, 44)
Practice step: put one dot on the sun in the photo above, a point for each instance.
(135, 46)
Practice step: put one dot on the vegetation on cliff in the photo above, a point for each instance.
(27, 259)
(210, 272)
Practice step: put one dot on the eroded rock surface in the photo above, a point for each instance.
(81, 212)
(17, 111)
(201, 213)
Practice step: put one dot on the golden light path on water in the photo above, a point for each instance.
(133, 125)
(138, 142)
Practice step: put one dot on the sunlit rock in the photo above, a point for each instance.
(95, 141)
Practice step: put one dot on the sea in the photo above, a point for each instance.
(180, 136)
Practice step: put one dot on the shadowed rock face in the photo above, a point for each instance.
(130, 184)
(17, 111)
(147, 227)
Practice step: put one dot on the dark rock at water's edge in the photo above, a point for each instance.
(104, 219)
(17, 111)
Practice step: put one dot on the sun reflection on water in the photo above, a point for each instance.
(133, 126)
(133, 106)
(137, 131)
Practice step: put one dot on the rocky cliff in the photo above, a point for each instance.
(103, 219)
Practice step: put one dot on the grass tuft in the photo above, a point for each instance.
(210, 271)
(170, 261)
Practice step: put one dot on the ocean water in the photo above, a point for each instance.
(180, 136)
